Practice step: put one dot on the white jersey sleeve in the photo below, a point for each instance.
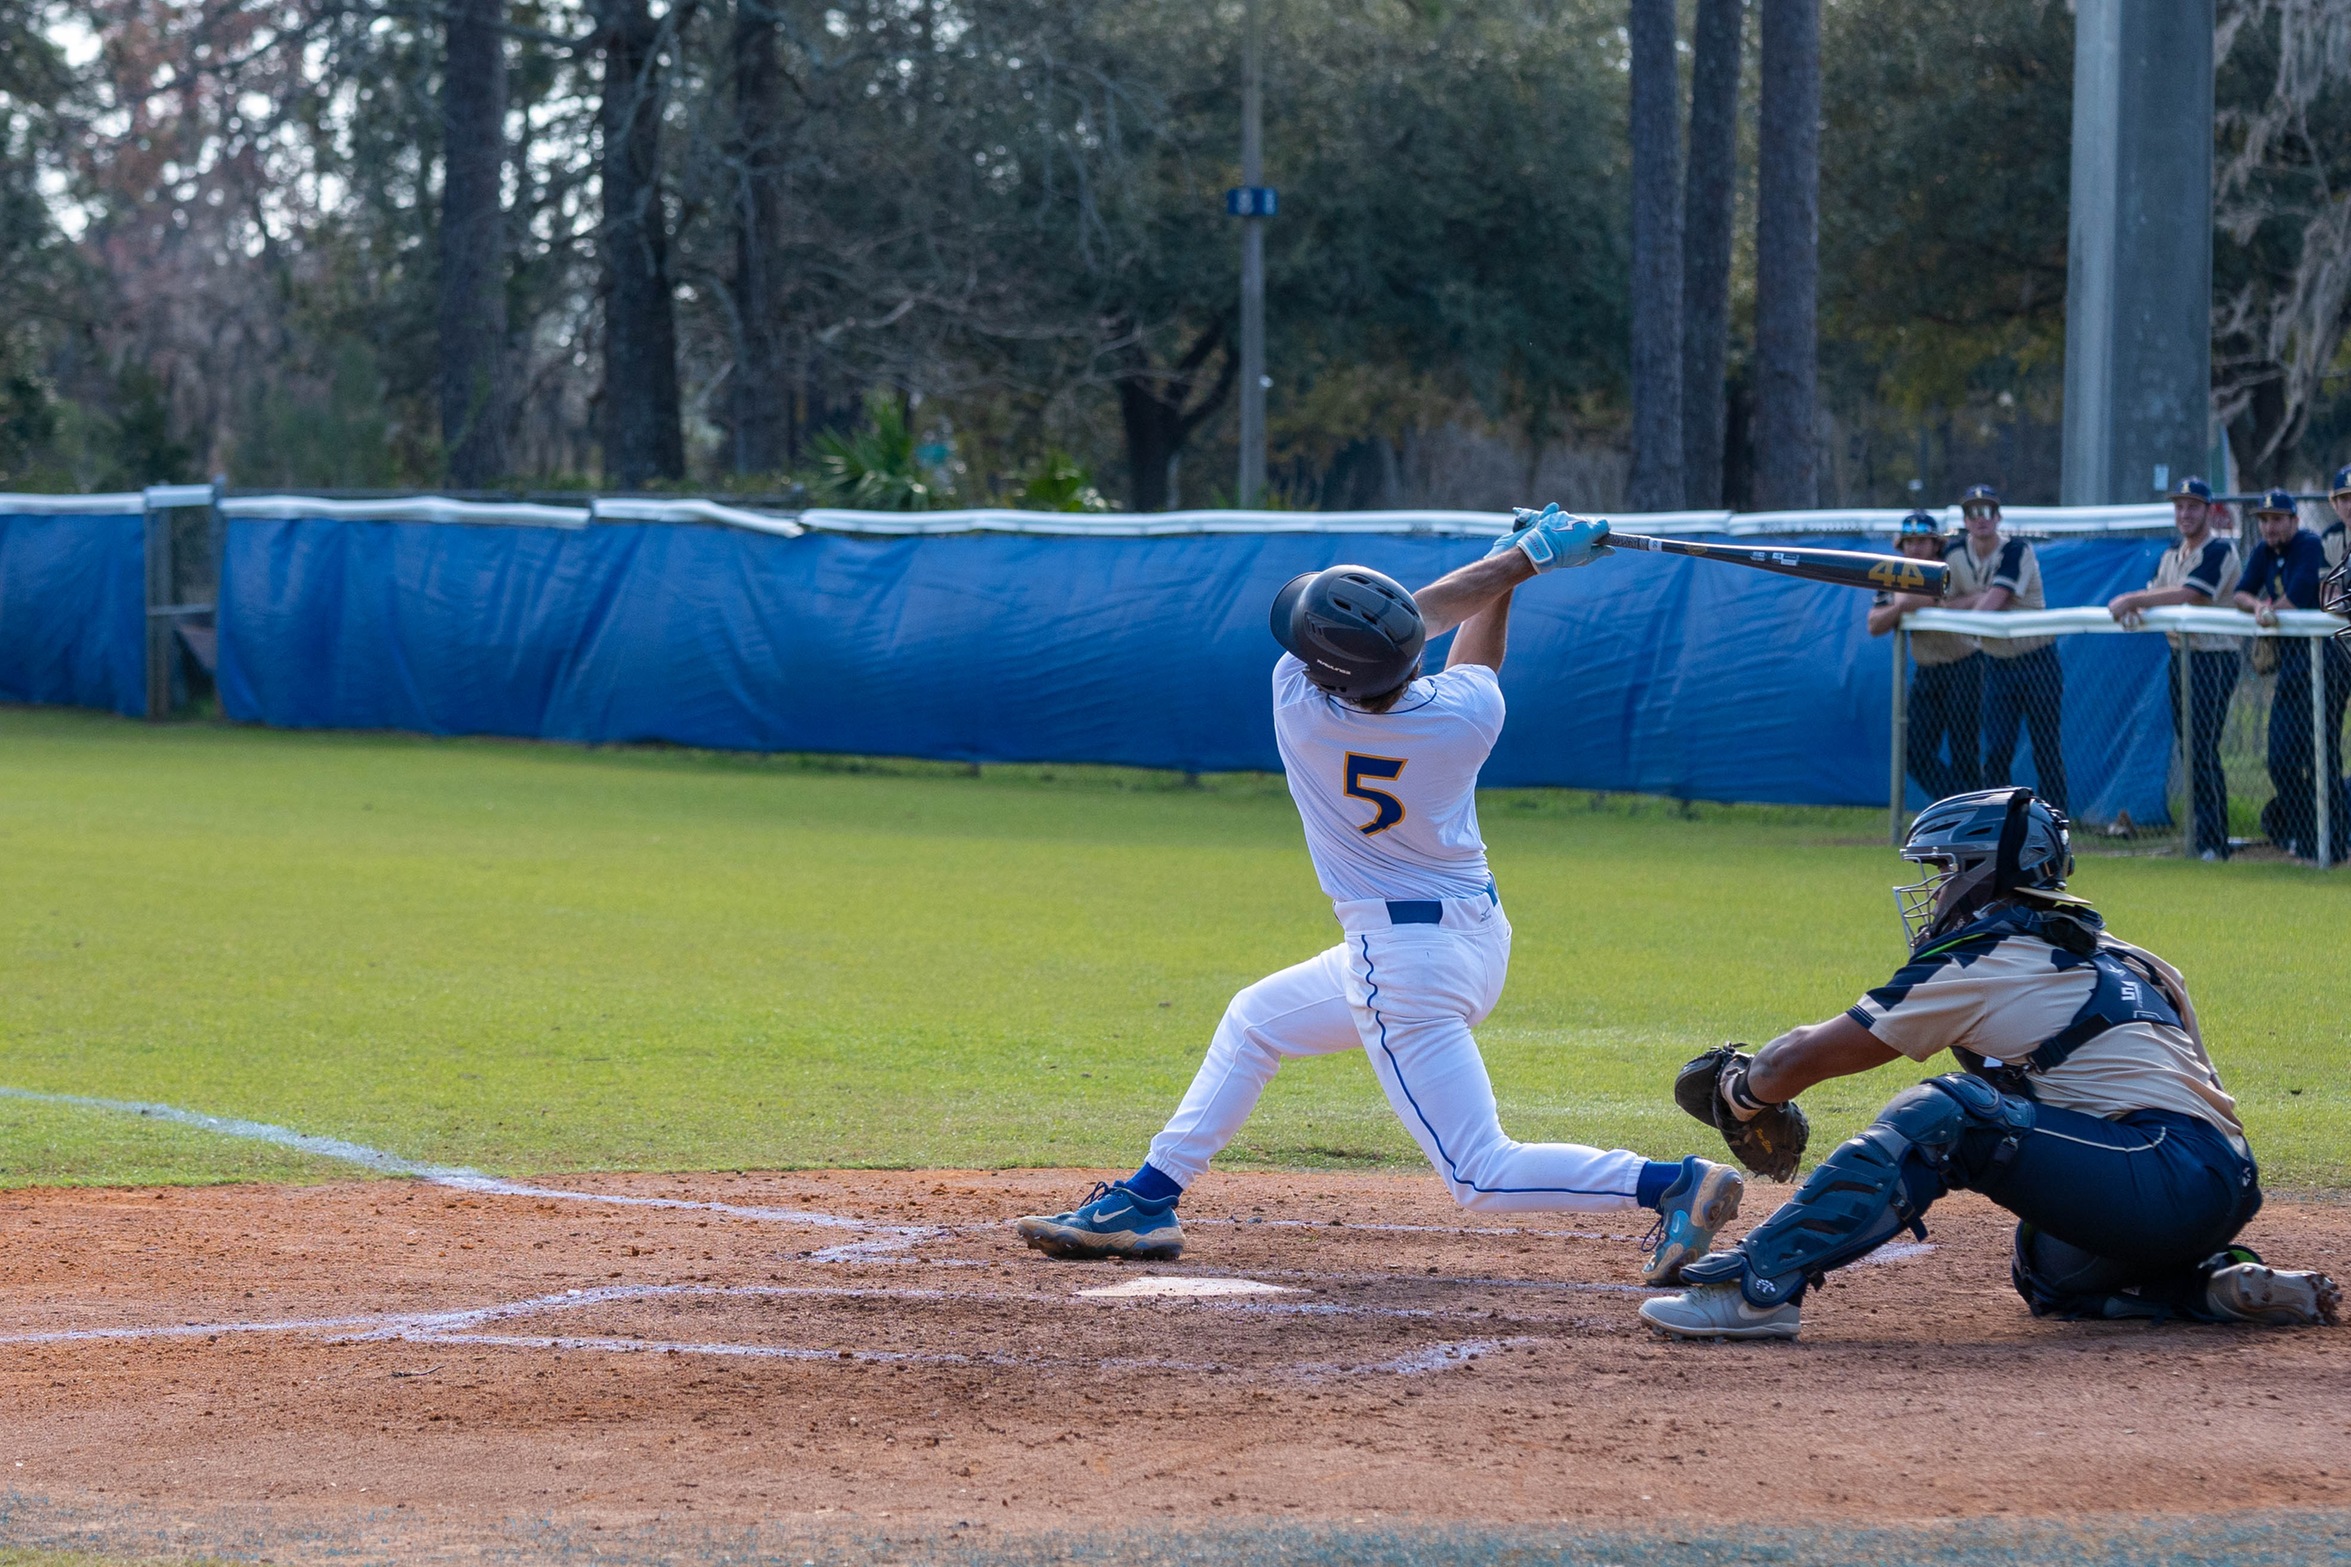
(1389, 800)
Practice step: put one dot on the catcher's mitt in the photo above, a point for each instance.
(1771, 1143)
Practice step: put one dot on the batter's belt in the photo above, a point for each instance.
(1360, 914)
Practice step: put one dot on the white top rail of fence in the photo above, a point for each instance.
(1874, 522)
(2002, 624)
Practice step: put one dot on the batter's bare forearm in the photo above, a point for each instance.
(1484, 637)
(1457, 595)
(1813, 1054)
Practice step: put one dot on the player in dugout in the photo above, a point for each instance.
(2088, 1108)
(1382, 760)
(1947, 690)
(2285, 572)
(2196, 571)
(2335, 538)
(2024, 684)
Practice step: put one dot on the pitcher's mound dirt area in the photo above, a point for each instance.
(437, 1361)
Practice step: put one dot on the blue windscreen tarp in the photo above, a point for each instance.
(73, 610)
(1641, 673)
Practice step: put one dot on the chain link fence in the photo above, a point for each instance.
(2190, 731)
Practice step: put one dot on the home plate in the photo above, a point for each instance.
(1160, 1285)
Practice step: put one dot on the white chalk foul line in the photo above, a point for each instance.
(188, 1330)
(1899, 1251)
(1416, 1229)
(883, 1239)
(886, 1237)
(1420, 1362)
(420, 1325)
(461, 1327)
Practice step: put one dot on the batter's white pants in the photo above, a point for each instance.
(1407, 996)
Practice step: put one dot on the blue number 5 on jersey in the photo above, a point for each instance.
(1390, 809)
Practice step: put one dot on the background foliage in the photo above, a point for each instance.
(218, 241)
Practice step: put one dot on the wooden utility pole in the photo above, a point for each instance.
(1253, 378)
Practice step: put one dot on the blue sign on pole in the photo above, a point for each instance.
(1251, 201)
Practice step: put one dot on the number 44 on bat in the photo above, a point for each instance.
(1901, 576)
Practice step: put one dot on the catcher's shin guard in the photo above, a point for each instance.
(1870, 1189)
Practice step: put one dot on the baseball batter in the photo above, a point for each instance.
(1383, 762)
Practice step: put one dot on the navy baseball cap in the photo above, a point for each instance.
(1980, 495)
(2276, 501)
(2342, 484)
(2192, 488)
(1922, 524)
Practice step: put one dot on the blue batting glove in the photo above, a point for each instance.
(1521, 519)
(1576, 541)
(1552, 538)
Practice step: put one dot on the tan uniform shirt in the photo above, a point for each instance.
(2013, 566)
(2005, 1003)
(2212, 569)
(1932, 647)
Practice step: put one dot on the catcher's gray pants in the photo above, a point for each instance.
(1407, 995)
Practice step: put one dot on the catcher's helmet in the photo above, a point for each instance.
(1980, 847)
(1358, 632)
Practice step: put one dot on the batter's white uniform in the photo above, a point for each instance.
(1390, 806)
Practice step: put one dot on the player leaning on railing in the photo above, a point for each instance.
(2089, 1108)
(2195, 572)
(2024, 683)
(2335, 586)
(1947, 686)
(1383, 763)
(2286, 571)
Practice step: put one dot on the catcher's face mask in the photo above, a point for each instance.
(1917, 903)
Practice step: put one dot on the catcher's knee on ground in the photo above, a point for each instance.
(2059, 1279)
(1868, 1190)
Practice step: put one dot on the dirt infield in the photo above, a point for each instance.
(839, 1349)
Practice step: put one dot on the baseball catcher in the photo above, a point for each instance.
(1382, 760)
(2088, 1108)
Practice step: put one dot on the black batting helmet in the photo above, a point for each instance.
(1358, 632)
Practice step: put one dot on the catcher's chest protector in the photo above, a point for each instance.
(2123, 994)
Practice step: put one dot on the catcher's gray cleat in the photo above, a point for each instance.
(2275, 1297)
(1717, 1311)
(1703, 1199)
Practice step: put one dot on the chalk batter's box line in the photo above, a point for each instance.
(393, 1325)
(459, 1328)
(887, 1237)
(885, 1242)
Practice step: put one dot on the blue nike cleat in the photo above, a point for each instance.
(1111, 1222)
(1703, 1199)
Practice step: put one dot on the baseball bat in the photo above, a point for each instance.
(1845, 568)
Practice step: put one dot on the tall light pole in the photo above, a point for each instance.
(2138, 297)
(1253, 203)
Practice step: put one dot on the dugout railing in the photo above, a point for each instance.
(2193, 731)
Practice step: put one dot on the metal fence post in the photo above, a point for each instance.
(1901, 728)
(2185, 689)
(2322, 771)
(159, 597)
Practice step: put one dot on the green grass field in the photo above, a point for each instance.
(537, 958)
